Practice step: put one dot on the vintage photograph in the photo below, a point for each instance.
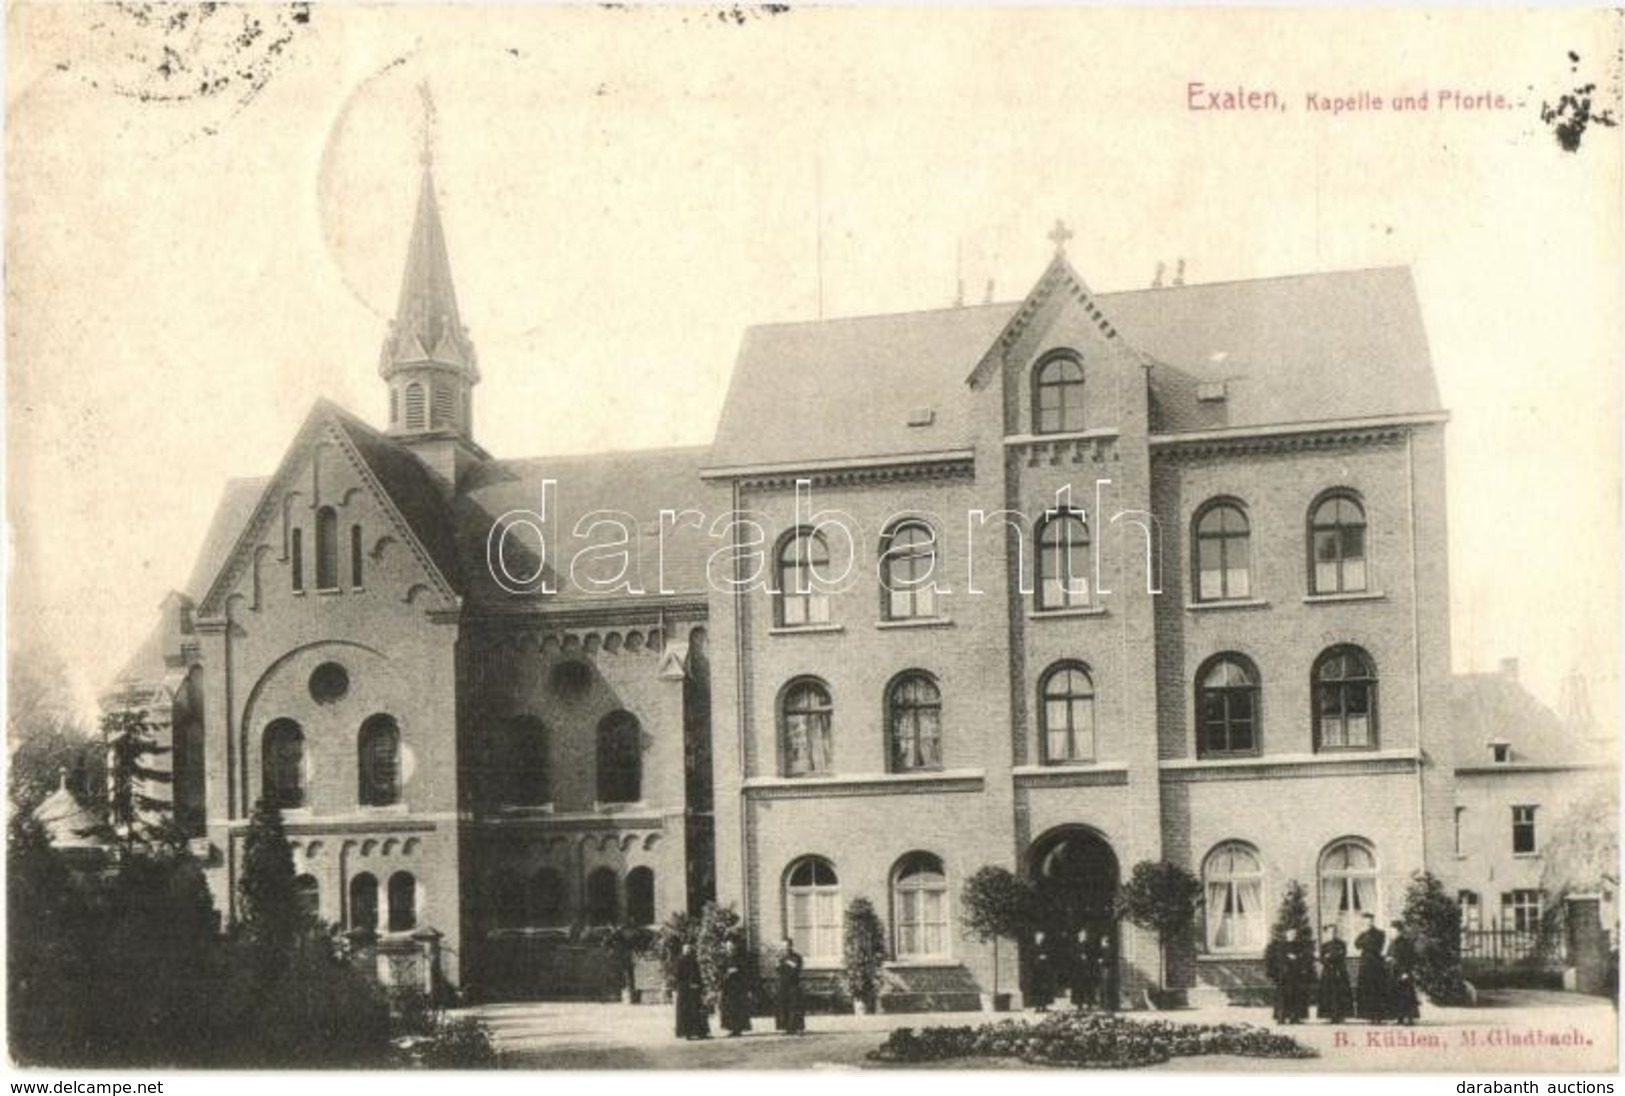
(777, 538)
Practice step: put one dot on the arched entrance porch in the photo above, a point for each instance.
(1075, 874)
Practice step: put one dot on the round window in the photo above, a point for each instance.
(329, 682)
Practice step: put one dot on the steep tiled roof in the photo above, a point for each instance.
(1494, 706)
(1307, 348)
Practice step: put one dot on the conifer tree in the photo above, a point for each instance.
(136, 819)
(1293, 913)
(271, 918)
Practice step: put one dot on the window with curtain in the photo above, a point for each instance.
(403, 902)
(1223, 553)
(1345, 700)
(908, 560)
(1227, 707)
(640, 896)
(1067, 714)
(603, 897)
(1233, 882)
(327, 549)
(1348, 887)
(812, 909)
(914, 716)
(284, 764)
(379, 750)
(1337, 562)
(364, 902)
(807, 714)
(920, 907)
(1058, 396)
(620, 758)
(1472, 916)
(1063, 562)
(803, 558)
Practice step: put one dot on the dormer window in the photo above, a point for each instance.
(1058, 395)
(1501, 752)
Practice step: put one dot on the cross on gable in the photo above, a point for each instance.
(1059, 235)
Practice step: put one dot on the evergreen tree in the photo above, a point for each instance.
(135, 817)
(271, 919)
(1434, 919)
(1293, 913)
(864, 951)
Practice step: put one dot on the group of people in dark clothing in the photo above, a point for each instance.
(734, 993)
(1084, 968)
(1384, 986)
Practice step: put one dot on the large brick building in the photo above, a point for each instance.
(1059, 585)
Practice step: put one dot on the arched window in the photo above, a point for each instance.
(283, 761)
(356, 573)
(812, 908)
(640, 896)
(620, 759)
(403, 902)
(603, 897)
(364, 902)
(307, 895)
(1345, 700)
(379, 761)
(1066, 706)
(907, 561)
(919, 890)
(914, 716)
(1227, 707)
(1223, 553)
(1337, 545)
(806, 713)
(327, 549)
(296, 559)
(1063, 561)
(545, 902)
(803, 558)
(1348, 886)
(505, 900)
(1058, 396)
(414, 406)
(1234, 882)
(520, 767)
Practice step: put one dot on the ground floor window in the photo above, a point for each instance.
(1233, 884)
(1471, 915)
(920, 907)
(1520, 910)
(812, 906)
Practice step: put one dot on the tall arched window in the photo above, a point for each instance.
(1063, 561)
(1058, 396)
(364, 902)
(806, 713)
(1234, 883)
(1223, 553)
(296, 559)
(1337, 545)
(620, 759)
(1348, 886)
(812, 908)
(356, 573)
(403, 902)
(803, 559)
(603, 897)
(640, 896)
(907, 561)
(379, 761)
(914, 717)
(307, 895)
(545, 902)
(283, 761)
(1227, 707)
(327, 549)
(414, 406)
(521, 767)
(920, 907)
(1345, 700)
(1066, 706)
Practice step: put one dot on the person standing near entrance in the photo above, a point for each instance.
(1371, 986)
(1403, 962)
(1043, 983)
(1106, 972)
(790, 1014)
(1289, 964)
(692, 1019)
(1336, 998)
(735, 1006)
(1085, 970)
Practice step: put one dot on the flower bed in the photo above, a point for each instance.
(1090, 1040)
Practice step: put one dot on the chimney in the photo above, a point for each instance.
(1509, 669)
(1156, 283)
(987, 297)
(1179, 273)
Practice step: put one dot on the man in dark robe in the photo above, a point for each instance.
(1371, 985)
(1336, 998)
(1289, 964)
(1106, 971)
(1043, 974)
(734, 1013)
(692, 1019)
(790, 1015)
(1085, 970)
(1403, 964)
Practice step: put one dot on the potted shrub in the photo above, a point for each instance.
(626, 943)
(864, 952)
(1161, 897)
(994, 904)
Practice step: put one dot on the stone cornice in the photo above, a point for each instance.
(830, 787)
(1292, 437)
(1291, 766)
(947, 464)
(1071, 776)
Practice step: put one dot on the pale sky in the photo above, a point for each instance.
(625, 191)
